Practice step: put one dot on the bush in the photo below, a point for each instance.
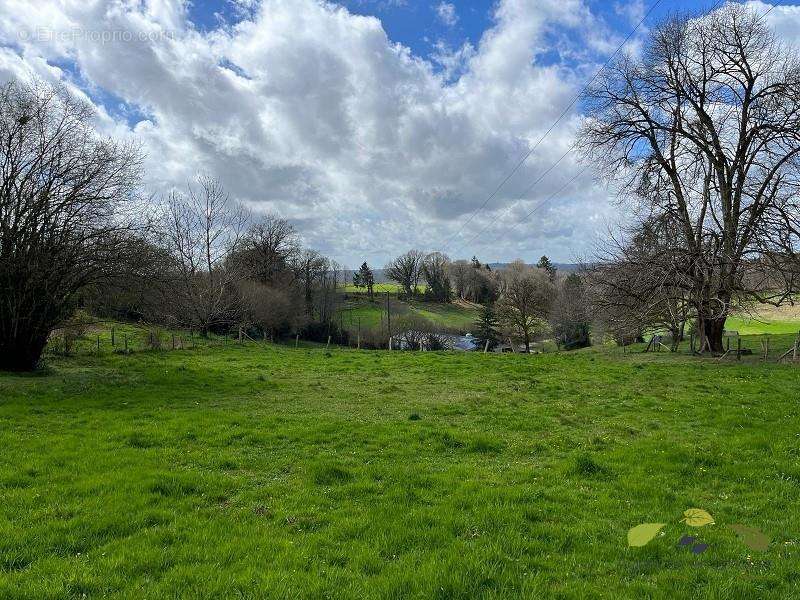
(64, 339)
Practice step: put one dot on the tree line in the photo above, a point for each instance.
(700, 131)
(75, 231)
(519, 302)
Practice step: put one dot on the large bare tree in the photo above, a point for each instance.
(406, 271)
(704, 127)
(63, 219)
(202, 229)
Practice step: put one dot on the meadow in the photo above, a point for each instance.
(457, 316)
(264, 471)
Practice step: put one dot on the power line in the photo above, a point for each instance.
(583, 170)
(521, 196)
(550, 129)
(545, 201)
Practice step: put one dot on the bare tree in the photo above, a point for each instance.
(311, 270)
(706, 128)
(641, 283)
(268, 249)
(202, 230)
(406, 270)
(569, 316)
(460, 274)
(274, 310)
(436, 271)
(64, 218)
(525, 298)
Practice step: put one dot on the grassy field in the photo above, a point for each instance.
(263, 471)
(459, 316)
(392, 288)
(767, 321)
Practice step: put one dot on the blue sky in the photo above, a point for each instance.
(372, 136)
(416, 24)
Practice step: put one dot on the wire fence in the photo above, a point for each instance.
(123, 338)
(104, 338)
(772, 347)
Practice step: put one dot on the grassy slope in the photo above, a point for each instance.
(270, 472)
(392, 288)
(767, 320)
(460, 316)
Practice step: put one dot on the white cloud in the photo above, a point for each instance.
(305, 109)
(446, 11)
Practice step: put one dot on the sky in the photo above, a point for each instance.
(373, 126)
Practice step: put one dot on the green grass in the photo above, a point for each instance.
(452, 316)
(392, 288)
(263, 471)
(747, 326)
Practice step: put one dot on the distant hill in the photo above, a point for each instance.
(565, 267)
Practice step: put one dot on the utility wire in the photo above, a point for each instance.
(582, 171)
(528, 215)
(514, 203)
(550, 129)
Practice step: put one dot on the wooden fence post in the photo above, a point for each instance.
(486, 347)
(328, 345)
(738, 348)
(113, 338)
(98, 344)
(297, 340)
(173, 341)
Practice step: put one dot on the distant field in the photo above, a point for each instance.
(771, 320)
(457, 316)
(392, 288)
(263, 471)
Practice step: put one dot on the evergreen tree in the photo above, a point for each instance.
(366, 277)
(357, 281)
(486, 327)
(544, 263)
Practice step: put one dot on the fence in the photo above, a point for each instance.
(106, 338)
(764, 347)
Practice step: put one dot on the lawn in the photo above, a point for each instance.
(264, 471)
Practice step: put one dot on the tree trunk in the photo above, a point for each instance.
(711, 329)
(527, 343)
(22, 353)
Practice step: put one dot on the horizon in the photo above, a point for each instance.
(373, 127)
